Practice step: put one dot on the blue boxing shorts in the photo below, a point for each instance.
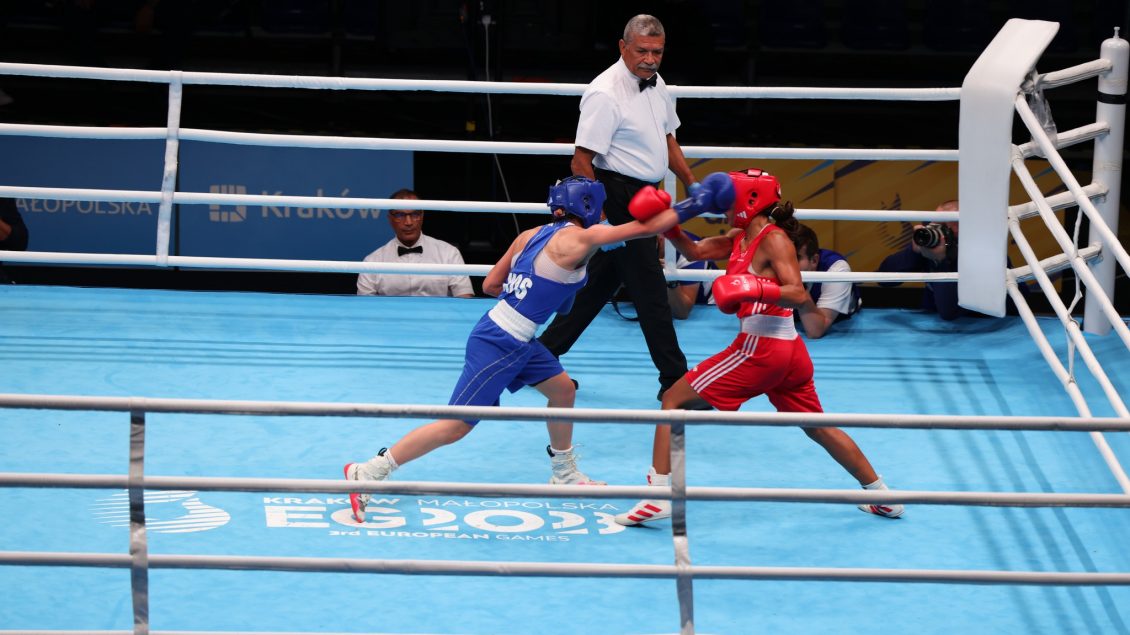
(496, 360)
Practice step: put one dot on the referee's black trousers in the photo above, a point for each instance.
(636, 265)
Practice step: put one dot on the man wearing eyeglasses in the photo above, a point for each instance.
(412, 246)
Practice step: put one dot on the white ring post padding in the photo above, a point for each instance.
(1107, 169)
(985, 147)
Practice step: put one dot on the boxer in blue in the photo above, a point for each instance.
(538, 276)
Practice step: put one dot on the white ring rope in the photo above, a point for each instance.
(444, 145)
(341, 266)
(1067, 381)
(1069, 248)
(440, 488)
(570, 569)
(500, 413)
(1061, 169)
(463, 86)
(205, 198)
(1069, 324)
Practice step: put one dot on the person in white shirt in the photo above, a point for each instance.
(828, 302)
(626, 140)
(412, 246)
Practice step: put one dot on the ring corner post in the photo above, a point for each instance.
(1107, 170)
(984, 159)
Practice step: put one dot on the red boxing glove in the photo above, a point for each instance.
(673, 233)
(732, 290)
(648, 202)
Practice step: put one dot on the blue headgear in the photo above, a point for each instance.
(580, 196)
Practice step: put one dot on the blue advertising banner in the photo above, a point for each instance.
(234, 231)
(275, 231)
(85, 226)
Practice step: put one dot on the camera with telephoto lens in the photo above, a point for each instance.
(933, 234)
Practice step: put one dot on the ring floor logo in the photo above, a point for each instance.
(446, 518)
(171, 512)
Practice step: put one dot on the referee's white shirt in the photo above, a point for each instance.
(435, 251)
(627, 128)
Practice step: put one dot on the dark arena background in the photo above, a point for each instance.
(818, 43)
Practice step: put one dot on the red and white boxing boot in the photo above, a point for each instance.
(886, 511)
(377, 468)
(648, 510)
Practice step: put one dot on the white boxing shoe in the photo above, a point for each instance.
(886, 511)
(565, 470)
(377, 468)
(648, 510)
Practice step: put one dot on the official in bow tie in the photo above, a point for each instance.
(625, 139)
(410, 245)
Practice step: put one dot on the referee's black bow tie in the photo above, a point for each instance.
(401, 250)
(645, 83)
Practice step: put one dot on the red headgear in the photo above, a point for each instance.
(755, 191)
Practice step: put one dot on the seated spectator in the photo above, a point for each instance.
(933, 256)
(410, 245)
(682, 295)
(828, 302)
(13, 232)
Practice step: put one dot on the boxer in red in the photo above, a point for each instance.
(761, 285)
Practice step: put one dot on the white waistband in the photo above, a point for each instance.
(778, 326)
(513, 322)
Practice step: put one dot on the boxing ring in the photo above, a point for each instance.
(218, 508)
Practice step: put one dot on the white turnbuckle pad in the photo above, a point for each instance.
(985, 159)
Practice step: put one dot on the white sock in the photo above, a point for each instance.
(393, 465)
(878, 484)
(556, 451)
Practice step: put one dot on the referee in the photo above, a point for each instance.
(626, 140)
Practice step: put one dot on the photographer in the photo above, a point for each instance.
(827, 302)
(932, 249)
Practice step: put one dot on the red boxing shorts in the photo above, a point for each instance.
(756, 365)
